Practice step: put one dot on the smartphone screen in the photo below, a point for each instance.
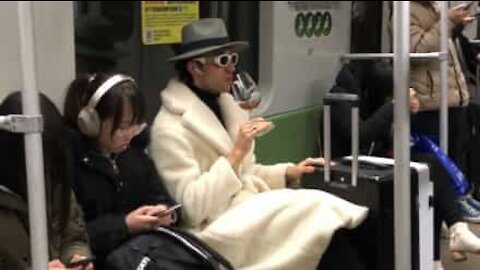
(170, 210)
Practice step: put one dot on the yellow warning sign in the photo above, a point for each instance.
(162, 21)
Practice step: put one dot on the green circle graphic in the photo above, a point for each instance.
(313, 24)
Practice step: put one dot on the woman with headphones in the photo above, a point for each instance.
(115, 182)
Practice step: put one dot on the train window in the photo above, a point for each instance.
(116, 27)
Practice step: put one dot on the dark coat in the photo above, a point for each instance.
(15, 239)
(107, 194)
(375, 120)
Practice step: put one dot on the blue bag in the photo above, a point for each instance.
(424, 144)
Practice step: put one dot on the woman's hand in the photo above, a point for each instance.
(247, 133)
(166, 218)
(460, 15)
(140, 220)
(414, 103)
(294, 173)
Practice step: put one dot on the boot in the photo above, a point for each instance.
(462, 240)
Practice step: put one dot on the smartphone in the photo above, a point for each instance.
(170, 210)
(82, 262)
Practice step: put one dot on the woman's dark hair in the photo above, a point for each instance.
(111, 104)
(56, 157)
(182, 72)
(181, 67)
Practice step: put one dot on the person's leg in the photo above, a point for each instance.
(444, 197)
(428, 123)
(458, 137)
(446, 209)
(425, 123)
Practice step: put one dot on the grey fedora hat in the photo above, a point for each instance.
(203, 36)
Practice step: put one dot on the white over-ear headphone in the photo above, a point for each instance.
(88, 120)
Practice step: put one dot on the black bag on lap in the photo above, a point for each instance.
(166, 248)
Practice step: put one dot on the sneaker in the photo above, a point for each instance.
(463, 240)
(468, 212)
(473, 202)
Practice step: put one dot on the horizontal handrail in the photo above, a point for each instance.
(415, 56)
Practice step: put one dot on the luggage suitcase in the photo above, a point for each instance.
(369, 181)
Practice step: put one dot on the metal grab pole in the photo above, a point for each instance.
(33, 142)
(443, 77)
(401, 61)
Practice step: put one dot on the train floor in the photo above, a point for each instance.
(473, 261)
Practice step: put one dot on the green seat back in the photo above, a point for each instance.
(295, 137)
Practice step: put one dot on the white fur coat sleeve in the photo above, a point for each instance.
(203, 194)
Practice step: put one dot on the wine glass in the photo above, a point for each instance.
(245, 92)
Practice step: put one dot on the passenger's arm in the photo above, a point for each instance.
(273, 175)
(106, 233)
(203, 193)
(74, 239)
(159, 193)
(371, 129)
(423, 40)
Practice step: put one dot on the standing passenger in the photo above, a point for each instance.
(425, 76)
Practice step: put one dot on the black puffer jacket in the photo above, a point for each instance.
(107, 194)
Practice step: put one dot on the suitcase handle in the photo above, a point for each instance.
(333, 98)
(336, 98)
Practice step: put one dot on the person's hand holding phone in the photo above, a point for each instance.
(166, 214)
(460, 14)
(140, 219)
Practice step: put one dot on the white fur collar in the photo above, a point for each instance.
(179, 99)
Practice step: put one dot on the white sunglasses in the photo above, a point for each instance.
(222, 60)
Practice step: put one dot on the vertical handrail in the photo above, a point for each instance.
(33, 141)
(355, 143)
(327, 141)
(401, 62)
(443, 77)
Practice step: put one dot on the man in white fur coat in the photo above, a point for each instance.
(202, 145)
